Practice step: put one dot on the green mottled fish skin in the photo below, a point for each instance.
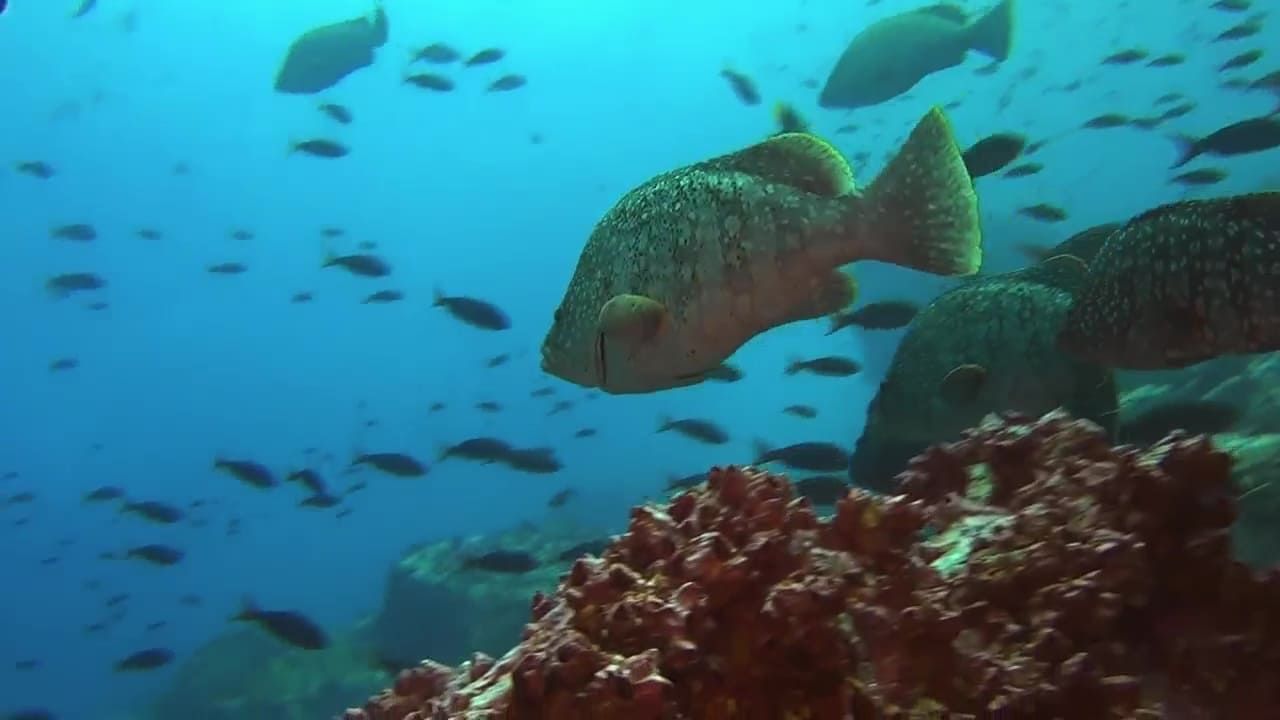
(730, 252)
(889, 57)
(1181, 284)
(1007, 324)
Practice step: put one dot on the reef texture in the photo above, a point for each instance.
(1106, 591)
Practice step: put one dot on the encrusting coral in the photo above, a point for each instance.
(1029, 570)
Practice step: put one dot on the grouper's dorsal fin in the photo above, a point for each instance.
(800, 160)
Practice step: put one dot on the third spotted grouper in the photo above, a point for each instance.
(889, 57)
(690, 265)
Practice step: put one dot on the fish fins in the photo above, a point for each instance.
(1064, 272)
(801, 160)
(1188, 149)
(635, 319)
(992, 34)
(962, 385)
(828, 296)
(922, 211)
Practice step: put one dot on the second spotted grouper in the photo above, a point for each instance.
(989, 345)
(695, 262)
(1181, 284)
(889, 57)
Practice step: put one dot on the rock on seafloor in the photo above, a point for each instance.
(1029, 570)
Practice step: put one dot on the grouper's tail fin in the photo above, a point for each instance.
(922, 212)
(992, 34)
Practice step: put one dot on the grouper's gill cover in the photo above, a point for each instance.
(690, 265)
(1181, 284)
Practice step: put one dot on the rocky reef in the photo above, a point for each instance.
(1028, 570)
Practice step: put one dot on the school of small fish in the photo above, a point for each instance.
(687, 266)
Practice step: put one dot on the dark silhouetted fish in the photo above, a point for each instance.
(507, 83)
(319, 147)
(561, 498)
(485, 57)
(391, 463)
(148, 659)
(336, 112)
(827, 366)
(704, 431)
(323, 56)
(1247, 136)
(36, 169)
(538, 461)
(801, 411)
(1183, 283)
(993, 153)
(439, 53)
(513, 562)
(84, 8)
(743, 87)
(79, 232)
(811, 456)
(67, 283)
(104, 493)
(227, 268)
(430, 81)
(359, 264)
(889, 57)
(474, 312)
(289, 626)
(883, 315)
(247, 472)
(154, 510)
(484, 450)
(382, 297)
(156, 554)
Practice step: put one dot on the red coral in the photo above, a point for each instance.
(1107, 592)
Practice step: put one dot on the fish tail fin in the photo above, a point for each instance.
(1188, 149)
(922, 211)
(794, 365)
(248, 610)
(992, 34)
(665, 423)
(437, 297)
(760, 450)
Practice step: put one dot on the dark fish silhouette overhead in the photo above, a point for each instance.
(889, 57)
(321, 57)
(1182, 283)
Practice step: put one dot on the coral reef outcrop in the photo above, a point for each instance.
(1028, 570)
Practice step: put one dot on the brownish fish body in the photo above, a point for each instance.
(692, 264)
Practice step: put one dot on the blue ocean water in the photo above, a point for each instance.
(184, 366)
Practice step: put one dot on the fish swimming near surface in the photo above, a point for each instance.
(889, 57)
(1181, 284)
(688, 266)
(323, 56)
(989, 345)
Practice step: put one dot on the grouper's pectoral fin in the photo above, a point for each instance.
(631, 319)
(828, 295)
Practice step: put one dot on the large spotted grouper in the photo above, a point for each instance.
(889, 57)
(987, 346)
(1183, 283)
(687, 267)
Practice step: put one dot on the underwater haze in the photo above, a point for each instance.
(155, 125)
